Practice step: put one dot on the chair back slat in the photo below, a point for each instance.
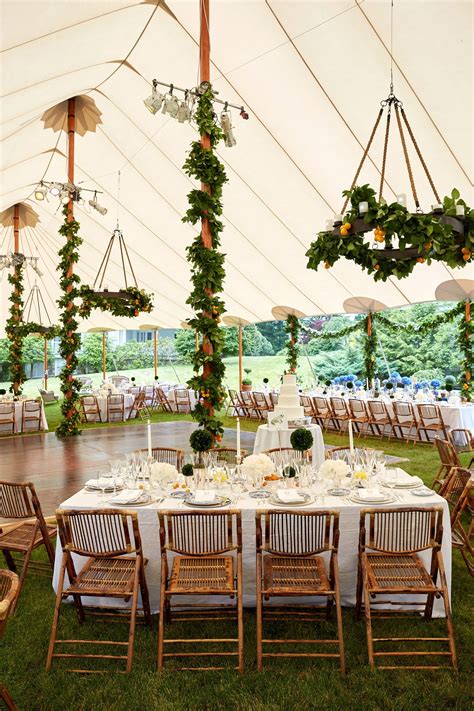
(447, 453)
(301, 533)
(378, 409)
(16, 500)
(98, 533)
(200, 533)
(404, 530)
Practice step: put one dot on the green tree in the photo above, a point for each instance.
(274, 332)
(133, 354)
(185, 344)
(33, 352)
(90, 355)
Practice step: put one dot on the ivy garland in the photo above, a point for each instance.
(15, 332)
(69, 338)
(426, 326)
(292, 329)
(346, 331)
(370, 349)
(207, 269)
(135, 301)
(433, 238)
(465, 344)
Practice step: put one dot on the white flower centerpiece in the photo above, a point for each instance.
(163, 474)
(334, 469)
(256, 467)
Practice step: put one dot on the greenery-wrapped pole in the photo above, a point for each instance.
(370, 347)
(292, 328)
(69, 338)
(13, 326)
(466, 334)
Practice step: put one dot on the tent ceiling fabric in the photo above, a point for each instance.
(311, 110)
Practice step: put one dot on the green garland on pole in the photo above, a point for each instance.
(135, 301)
(45, 331)
(370, 350)
(465, 336)
(14, 331)
(426, 326)
(341, 333)
(207, 269)
(292, 329)
(69, 338)
(433, 237)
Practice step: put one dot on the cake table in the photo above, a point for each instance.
(269, 438)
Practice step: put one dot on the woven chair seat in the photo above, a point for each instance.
(212, 574)
(18, 538)
(114, 576)
(294, 575)
(401, 571)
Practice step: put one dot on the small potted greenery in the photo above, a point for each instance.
(327, 384)
(449, 383)
(389, 388)
(201, 442)
(247, 382)
(187, 470)
(301, 440)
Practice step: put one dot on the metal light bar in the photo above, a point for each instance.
(197, 91)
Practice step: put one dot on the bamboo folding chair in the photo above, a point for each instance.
(115, 408)
(454, 484)
(161, 401)
(379, 418)
(246, 400)
(167, 455)
(227, 454)
(462, 532)
(307, 405)
(182, 400)
(360, 415)
(339, 412)
(290, 453)
(201, 541)
(403, 417)
(290, 562)
(31, 416)
(234, 408)
(115, 568)
(322, 413)
(139, 407)
(430, 419)
(448, 458)
(90, 411)
(273, 400)
(389, 543)
(9, 591)
(7, 418)
(462, 441)
(260, 404)
(26, 531)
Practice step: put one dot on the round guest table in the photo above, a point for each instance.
(272, 438)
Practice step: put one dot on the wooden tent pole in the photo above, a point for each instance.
(205, 75)
(16, 228)
(369, 324)
(71, 134)
(17, 269)
(104, 345)
(240, 356)
(45, 363)
(467, 318)
(197, 341)
(155, 353)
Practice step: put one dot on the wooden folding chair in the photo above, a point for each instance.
(390, 541)
(307, 405)
(115, 408)
(248, 405)
(403, 417)
(462, 441)
(228, 454)
(26, 531)
(261, 405)
(290, 562)
(448, 458)
(139, 407)
(9, 591)
(322, 413)
(430, 419)
(339, 412)
(115, 568)
(162, 401)
(233, 408)
(167, 455)
(454, 484)
(359, 415)
(379, 418)
(90, 411)
(7, 418)
(31, 416)
(201, 541)
(462, 525)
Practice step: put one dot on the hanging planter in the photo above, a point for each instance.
(399, 239)
(129, 302)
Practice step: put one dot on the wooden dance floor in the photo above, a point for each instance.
(58, 467)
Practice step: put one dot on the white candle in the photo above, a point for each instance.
(329, 225)
(337, 219)
(351, 438)
(367, 383)
(149, 437)
(402, 199)
(238, 439)
(437, 208)
(459, 210)
(363, 207)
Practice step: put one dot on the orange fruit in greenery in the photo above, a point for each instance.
(343, 231)
(379, 238)
(468, 375)
(326, 265)
(377, 267)
(466, 256)
(347, 225)
(420, 260)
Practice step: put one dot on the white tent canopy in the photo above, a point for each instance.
(311, 74)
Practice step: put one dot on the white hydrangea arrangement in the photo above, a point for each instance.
(334, 469)
(163, 473)
(257, 465)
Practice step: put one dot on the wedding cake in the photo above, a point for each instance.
(289, 400)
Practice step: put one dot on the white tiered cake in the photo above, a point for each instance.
(289, 400)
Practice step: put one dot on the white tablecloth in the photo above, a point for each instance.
(128, 400)
(269, 438)
(348, 543)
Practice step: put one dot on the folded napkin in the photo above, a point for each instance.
(100, 482)
(204, 497)
(403, 477)
(288, 496)
(370, 495)
(129, 496)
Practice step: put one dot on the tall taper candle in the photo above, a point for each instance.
(149, 437)
(351, 438)
(238, 439)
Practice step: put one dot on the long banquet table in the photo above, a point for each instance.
(349, 527)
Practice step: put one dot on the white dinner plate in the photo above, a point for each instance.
(388, 499)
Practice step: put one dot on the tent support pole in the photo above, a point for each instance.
(104, 345)
(155, 353)
(45, 363)
(240, 357)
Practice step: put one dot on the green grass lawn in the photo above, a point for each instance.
(286, 684)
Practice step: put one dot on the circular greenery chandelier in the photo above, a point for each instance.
(386, 239)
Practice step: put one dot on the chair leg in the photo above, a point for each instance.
(57, 608)
(340, 636)
(447, 610)
(7, 699)
(259, 615)
(10, 561)
(368, 619)
(161, 620)
(24, 569)
(240, 616)
(133, 617)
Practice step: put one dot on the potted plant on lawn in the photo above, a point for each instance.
(201, 442)
(247, 382)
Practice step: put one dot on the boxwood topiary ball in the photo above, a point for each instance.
(301, 439)
(201, 441)
(187, 470)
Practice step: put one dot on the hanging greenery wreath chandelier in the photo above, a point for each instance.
(399, 239)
